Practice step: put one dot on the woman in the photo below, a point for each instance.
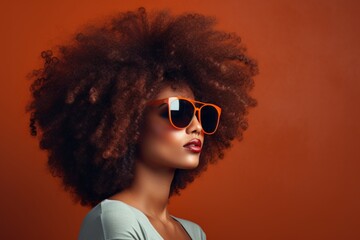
(134, 109)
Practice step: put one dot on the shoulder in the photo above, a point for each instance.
(110, 220)
(193, 228)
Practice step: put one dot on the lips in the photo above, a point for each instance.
(194, 145)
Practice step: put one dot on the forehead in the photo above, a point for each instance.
(179, 90)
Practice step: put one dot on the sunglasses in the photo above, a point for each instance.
(180, 111)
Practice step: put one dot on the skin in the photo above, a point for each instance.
(161, 152)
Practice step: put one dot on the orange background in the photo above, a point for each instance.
(294, 176)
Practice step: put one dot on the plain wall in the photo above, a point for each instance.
(294, 176)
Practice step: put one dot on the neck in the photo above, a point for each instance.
(150, 190)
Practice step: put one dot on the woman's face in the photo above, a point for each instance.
(162, 145)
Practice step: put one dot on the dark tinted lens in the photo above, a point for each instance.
(209, 118)
(182, 112)
(164, 111)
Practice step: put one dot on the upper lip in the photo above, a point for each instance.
(194, 141)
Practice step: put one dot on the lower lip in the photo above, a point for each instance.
(195, 149)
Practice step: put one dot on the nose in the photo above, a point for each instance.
(195, 125)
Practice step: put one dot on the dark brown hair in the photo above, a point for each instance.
(89, 97)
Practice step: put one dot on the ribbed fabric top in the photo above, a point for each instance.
(115, 220)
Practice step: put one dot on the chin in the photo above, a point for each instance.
(190, 164)
(186, 168)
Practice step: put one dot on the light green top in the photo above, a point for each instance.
(115, 220)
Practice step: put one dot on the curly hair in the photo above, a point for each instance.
(88, 98)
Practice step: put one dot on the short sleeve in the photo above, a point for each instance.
(202, 234)
(111, 222)
(120, 224)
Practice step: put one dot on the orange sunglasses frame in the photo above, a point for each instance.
(196, 109)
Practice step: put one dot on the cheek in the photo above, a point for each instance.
(166, 135)
(163, 132)
(163, 141)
